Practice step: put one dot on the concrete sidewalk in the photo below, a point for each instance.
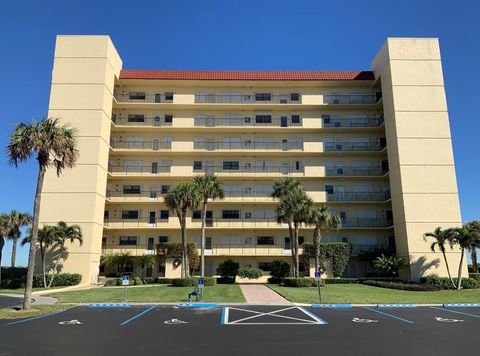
(261, 294)
(36, 299)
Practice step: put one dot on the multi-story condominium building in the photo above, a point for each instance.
(374, 146)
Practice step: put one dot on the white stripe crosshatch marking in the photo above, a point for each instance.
(286, 320)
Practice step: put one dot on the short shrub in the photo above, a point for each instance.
(402, 286)
(475, 276)
(111, 282)
(300, 282)
(13, 283)
(226, 280)
(228, 269)
(192, 282)
(341, 281)
(137, 281)
(60, 280)
(280, 269)
(163, 280)
(444, 282)
(273, 280)
(149, 280)
(250, 273)
(18, 272)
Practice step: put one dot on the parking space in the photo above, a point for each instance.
(239, 329)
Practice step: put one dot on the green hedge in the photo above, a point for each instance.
(18, 272)
(475, 276)
(301, 282)
(274, 280)
(402, 286)
(444, 282)
(338, 252)
(60, 280)
(341, 281)
(280, 270)
(149, 280)
(163, 280)
(192, 282)
(250, 273)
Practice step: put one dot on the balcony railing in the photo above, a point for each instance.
(125, 169)
(248, 99)
(146, 121)
(355, 171)
(366, 223)
(246, 122)
(350, 99)
(155, 194)
(353, 146)
(210, 222)
(352, 122)
(143, 97)
(141, 145)
(359, 248)
(358, 196)
(283, 146)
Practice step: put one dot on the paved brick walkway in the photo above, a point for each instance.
(261, 294)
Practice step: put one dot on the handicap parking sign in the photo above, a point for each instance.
(125, 280)
(201, 283)
(317, 276)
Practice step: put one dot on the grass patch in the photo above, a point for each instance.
(22, 290)
(37, 310)
(362, 294)
(162, 293)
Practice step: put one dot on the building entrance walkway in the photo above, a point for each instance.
(261, 294)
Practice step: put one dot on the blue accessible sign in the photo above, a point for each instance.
(318, 275)
(125, 280)
(201, 282)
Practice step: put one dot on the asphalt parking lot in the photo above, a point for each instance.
(245, 330)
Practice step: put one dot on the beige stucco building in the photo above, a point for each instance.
(374, 146)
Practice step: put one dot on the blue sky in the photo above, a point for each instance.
(236, 34)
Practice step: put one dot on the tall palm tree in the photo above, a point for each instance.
(145, 261)
(284, 186)
(54, 145)
(3, 233)
(209, 187)
(46, 238)
(108, 259)
(62, 233)
(15, 221)
(442, 239)
(180, 199)
(323, 221)
(123, 259)
(464, 238)
(474, 227)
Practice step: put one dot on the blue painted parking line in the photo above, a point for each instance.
(224, 319)
(313, 316)
(197, 305)
(396, 306)
(457, 312)
(332, 306)
(462, 305)
(138, 315)
(109, 306)
(34, 318)
(389, 315)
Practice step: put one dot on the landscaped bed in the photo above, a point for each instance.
(222, 293)
(37, 310)
(363, 294)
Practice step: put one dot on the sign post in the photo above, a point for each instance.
(318, 278)
(201, 285)
(125, 283)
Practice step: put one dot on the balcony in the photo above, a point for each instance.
(360, 99)
(248, 122)
(248, 146)
(140, 120)
(262, 99)
(336, 123)
(358, 196)
(353, 146)
(358, 249)
(356, 172)
(141, 145)
(133, 170)
(366, 223)
(143, 97)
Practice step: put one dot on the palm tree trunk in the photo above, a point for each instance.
(459, 279)
(183, 228)
(317, 238)
(295, 243)
(14, 254)
(202, 249)
(27, 299)
(54, 271)
(290, 231)
(448, 269)
(473, 254)
(43, 255)
(2, 242)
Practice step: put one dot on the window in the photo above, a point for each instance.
(127, 268)
(265, 240)
(231, 165)
(137, 95)
(294, 97)
(163, 239)
(168, 119)
(197, 165)
(104, 242)
(326, 119)
(301, 240)
(165, 189)
(263, 119)
(164, 214)
(297, 165)
(128, 240)
(196, 215)
(131, 189)
(329, 189)
(263, 97)
(136, 118)
(129, 214)
(248, 215)
(169, 96)
(231, 214)
(295, 119)
(247, 120)
(105, 214)
(265, 266)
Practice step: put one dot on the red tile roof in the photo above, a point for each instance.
(244, 75)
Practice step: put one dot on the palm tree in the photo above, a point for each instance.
(465, 239)
(145, 261)
(474, 227)
(284, 186)
(46, 238)
(123, 259)
(323, 221)
(54, 145)
(3, 233)
(209, 187)
(442, 238)
(62, 233)
(15, 221)
(108, 259)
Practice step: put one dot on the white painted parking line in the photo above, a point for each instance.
(457, 312)
(285, 319)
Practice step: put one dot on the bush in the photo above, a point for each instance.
(341, 281)
(338, 252)
(192, 282)
(250, 273)
(444, 282)
(226, 280)
(18, 272)
(163, 280)
(402, 286)
(228, 269)
(280, 269)
(149, 280)
(60, 280)
(137, 281)
(13, 283)
(300, 282)
(475, 276)
(273, 280)
(110, 282)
